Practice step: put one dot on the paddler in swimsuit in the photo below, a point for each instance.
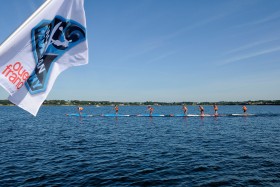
(215, 109)
(185, 109)
(80, 109)
(116, 109)
(201, 109)
(244, 109)
(150, 109)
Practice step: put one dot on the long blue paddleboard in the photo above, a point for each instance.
(242, 114)
(159, 115)
(114, 115)
(148, 115)
(80, 115)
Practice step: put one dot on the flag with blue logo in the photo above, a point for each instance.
(49, 42)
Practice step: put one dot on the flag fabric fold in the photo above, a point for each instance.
(51, 42)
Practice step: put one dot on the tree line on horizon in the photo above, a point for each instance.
(109, 103)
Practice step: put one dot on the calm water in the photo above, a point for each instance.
(54, 150)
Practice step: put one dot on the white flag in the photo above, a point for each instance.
(51, 41)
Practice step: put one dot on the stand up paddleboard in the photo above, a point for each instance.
(159, 115)
(114, 115)
(80, 115)
(242, 114)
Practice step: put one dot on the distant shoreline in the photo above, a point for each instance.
(109, 103)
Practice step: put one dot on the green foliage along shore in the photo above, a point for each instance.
(108, 103)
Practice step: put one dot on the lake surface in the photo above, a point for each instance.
(55, 150)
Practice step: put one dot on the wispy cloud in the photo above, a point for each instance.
(160, 41)
(142, 49)
(227, 8)
(195, 25)
(272, 17)
(161, 57)
(251, 55)
(251, 45)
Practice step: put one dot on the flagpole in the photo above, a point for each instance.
(25, 23)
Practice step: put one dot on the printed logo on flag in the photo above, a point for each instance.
(50, 40)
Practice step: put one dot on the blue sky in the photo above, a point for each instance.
(169, 50)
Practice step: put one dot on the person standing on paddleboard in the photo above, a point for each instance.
(244, 109)
(150, 109)
(201, 109)
(116, 109)
(185, 109)
(80, 109)
(215, 109)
